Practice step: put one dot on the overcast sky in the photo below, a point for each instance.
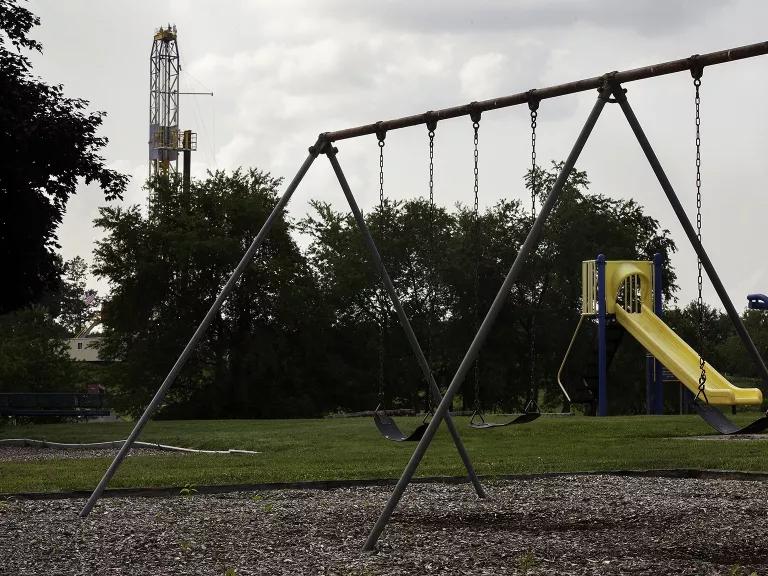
(282, 72)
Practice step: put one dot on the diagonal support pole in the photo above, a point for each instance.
(530, 244)
(621, 98)
(314, 151)
(330, 151)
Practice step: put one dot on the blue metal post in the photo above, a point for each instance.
(602, 369)
(650, 386)
(658, 309)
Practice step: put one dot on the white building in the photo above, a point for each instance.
(85, 346)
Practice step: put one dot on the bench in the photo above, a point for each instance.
(71, 404)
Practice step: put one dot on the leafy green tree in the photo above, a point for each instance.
(33, 353)
(413, 241)
(544, 305)
(716, 330)
(77, 305)
(730, 352)
(263, 351)
(50, 144)
(438, 275)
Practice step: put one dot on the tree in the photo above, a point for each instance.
(50, 144)
(412, 240)
(731, 351)
(77, 304)
(33, 353)
(263, 354)
(432, 257)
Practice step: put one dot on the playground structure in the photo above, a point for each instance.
(610, 89)
(757, 302)
(629, 292)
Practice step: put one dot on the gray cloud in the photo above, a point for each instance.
(646, 17)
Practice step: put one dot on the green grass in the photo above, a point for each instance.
(295, 450)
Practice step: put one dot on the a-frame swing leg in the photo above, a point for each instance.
(246, 260)
(621, 98)
(530, 244)
(330, 151)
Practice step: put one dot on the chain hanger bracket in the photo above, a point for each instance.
(431, 121)
(697, 69)
(533, 100)
(474, 112)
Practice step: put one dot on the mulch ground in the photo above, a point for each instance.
(562, 525)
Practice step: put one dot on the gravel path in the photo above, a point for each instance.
(563, 525)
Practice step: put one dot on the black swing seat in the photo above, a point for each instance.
(389, 429)
(530, 414)
(723, 425)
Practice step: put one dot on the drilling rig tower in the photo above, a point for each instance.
(165, 139)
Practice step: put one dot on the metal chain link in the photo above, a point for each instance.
(700, 331)
(431, 259)
(532, 353)
(476, 279)
(534, 116)
(533, 105)
(383, 318)
(381, 175)
(381, 364)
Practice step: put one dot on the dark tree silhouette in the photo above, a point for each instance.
(49, 145)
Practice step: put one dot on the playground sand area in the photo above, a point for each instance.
(560, 525)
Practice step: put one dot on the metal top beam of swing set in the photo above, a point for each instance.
(672, 67)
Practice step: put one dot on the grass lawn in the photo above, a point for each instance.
(350, 448)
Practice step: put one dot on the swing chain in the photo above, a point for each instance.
(381, 365)
(476, 280)
(532, 353)
(533, 105)
(431, 126)
(696, 72)
(381, 135)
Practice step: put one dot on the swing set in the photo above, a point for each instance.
(610, 90)
(386, 426)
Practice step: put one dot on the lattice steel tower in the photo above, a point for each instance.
(165, 140)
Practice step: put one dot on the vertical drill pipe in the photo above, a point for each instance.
(689, 231)
(602, 356)
(403, 317)
(186, 144)
(201, 329)
(531, 241)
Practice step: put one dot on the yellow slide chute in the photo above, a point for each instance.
(628, 296)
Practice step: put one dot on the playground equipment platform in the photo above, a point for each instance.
(629, 288)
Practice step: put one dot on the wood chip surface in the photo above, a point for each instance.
(563, 525)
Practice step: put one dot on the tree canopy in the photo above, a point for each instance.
(262, 351)
(50, 144)
(303, 331)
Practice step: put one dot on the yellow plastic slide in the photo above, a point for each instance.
(680, 359)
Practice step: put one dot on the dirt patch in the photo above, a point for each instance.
(726, 437)
(31, 453)
(563, 525)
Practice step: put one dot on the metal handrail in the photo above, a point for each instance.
(565, 358)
